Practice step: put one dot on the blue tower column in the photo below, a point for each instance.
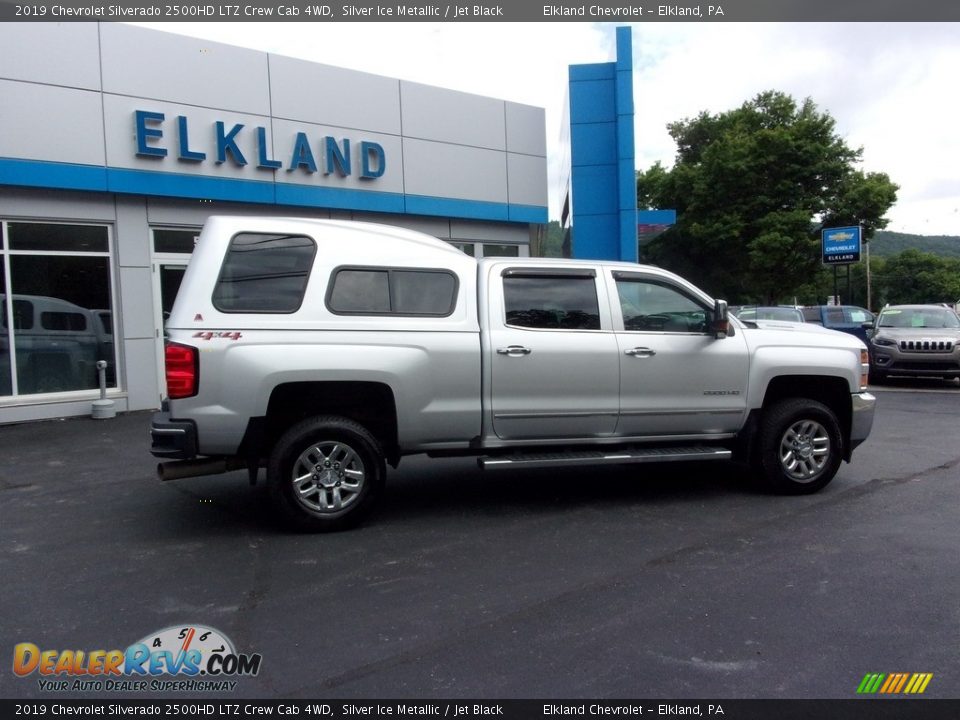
(602, 157)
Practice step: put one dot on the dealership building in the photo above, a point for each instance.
(117, 142)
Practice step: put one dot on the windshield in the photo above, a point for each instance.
(919, 318)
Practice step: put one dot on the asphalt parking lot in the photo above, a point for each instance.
(672, 582)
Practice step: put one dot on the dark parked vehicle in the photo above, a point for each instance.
(786, 313)
(845, 318)
(915, 340)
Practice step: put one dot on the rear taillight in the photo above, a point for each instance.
(183, 373)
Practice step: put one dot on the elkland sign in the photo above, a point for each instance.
(219, 144)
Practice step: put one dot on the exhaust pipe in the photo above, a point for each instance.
(179, 469)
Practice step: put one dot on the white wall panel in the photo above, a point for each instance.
(178, 69)
(323, 95)
(454, 171)
(141, 380)
(131, 236)
(30, 203)
(25, 53)
(56, 124)
(477, 230)
(136, 303)
(526, 180)
(449, 116)
(526, 129)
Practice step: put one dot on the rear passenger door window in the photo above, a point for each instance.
(264, 273)
(551, 302)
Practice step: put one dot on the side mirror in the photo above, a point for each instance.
(721, 320)
(869, 329)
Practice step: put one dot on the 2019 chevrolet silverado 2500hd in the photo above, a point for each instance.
(325, 350)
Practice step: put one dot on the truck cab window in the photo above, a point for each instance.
(551, 303)
(653, 306)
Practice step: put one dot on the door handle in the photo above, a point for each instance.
(514, 351)
(641, 352)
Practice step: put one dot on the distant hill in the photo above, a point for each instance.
(886, 243)
(883, 244)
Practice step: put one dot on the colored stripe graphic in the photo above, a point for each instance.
(894, 683)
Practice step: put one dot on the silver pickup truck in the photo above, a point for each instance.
(324, 350)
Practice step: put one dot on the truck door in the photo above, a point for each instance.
(553, 356)
(677, 378)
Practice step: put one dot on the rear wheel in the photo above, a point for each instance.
(326, 473)
(799, 448)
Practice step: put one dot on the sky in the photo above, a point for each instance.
(891, 87)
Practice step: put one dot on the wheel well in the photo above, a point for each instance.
(831, 391)
(367, 403)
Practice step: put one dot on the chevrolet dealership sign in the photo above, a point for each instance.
(841, 246)
(327, 154)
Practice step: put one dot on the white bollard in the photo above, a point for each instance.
(103, 408)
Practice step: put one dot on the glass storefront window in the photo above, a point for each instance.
(501, 250)
(467, 248)
(174, 241)
(59, 322)
(67, 238)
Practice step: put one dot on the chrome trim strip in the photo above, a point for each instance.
(660, 455)
(668, 413)
(547, 416)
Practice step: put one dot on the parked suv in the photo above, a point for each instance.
(915, 340)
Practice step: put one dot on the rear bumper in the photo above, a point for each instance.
(172, 439)
(863, 406)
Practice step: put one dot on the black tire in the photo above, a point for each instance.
(799, 447)
(326, 474)
(877, 377)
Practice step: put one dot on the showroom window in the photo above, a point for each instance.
(56, 308)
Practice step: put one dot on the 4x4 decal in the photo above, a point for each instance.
(228, 334)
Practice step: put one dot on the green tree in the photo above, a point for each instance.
(752, 187)
(918, 277)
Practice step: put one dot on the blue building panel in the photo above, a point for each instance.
(64, 176)
(595, 190)
(597, 237)
(593, 71)
(338, 198)
(593, 143)
(142, 182)
(472, 209)
(592, 102)
(657, 217)
(528, 214)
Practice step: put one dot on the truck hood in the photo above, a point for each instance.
(776, 332)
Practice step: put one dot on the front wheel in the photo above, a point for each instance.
(325, 474)
(799, 448)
